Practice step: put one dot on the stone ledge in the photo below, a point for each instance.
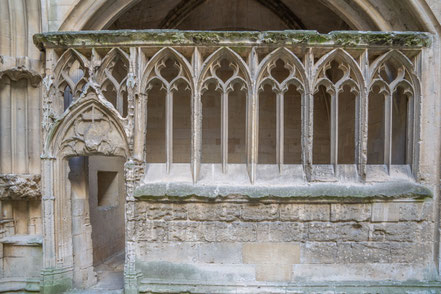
(231, 38)
(325, 191)
(23, 240)
(343, 288)
(20, 285)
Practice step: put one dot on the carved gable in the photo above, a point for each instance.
(91, 130)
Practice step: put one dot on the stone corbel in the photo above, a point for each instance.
(17, 68)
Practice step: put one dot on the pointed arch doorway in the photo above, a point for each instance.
(84, 202)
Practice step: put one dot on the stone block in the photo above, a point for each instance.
(273, 272)
(22, 261)
(365, 272)
(182, 252)
(305, 212)
(319, 252)
(208, 231)
(184, 231)
(399, 232)
(220, 253)
(351, 212)
(260, 212)
(416, 211)
(214, 212)
(402, 211)
(153, 231)
(236, 232)
(364, 252)
(166, 212)
(337, 231)
(286, 232)
(271, 253)
(411, 253)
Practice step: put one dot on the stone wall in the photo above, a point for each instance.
(254, 242)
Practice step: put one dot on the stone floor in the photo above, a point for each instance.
(110, 277)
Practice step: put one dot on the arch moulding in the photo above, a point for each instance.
(98, 14)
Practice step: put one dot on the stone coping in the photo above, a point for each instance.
(325, 191)
(123, 38)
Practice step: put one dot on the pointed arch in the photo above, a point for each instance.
(163, 54)
(217, 55)
(69, 55)
(346, 57)
(281, 53)
(107, 60)
(88, 127)
(403, 60)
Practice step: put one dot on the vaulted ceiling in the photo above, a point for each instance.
(230, 15)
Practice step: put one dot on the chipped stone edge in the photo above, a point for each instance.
(325, 191)
(355, 39)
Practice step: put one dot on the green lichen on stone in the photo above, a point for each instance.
(205, 38)
(231, 38)
(275, 38)
(382, 39)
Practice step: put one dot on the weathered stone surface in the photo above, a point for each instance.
(337, 231)
(260, 212)
(166, 212)
(305, 212)
(16, 187)
(236, 232)
(152, 231)
(416, 211)
(280, 231)
(385, 212)
(399, 232)
(184, 231)
(410, 252)
(350, 212)
(273, 272)
(180, 252)
(365, 272)
(213, 212)
(364, 252)
(319, 253)
(271, 253)
(347, 39)
(220, 253)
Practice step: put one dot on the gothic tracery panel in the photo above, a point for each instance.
(112, 76)
(280, 107)
(392, 81)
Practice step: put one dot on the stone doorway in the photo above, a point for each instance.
(98, 231)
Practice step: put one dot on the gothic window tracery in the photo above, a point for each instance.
(317, 109)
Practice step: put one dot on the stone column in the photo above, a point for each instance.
(134, 171)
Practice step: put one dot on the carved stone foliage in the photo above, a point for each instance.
(93, 131)
(18, 187)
